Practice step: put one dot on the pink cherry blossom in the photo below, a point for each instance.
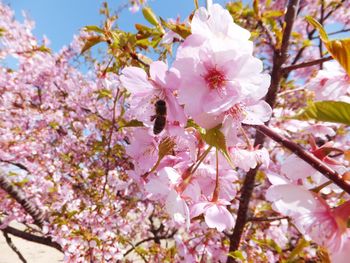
(217, 24)
(298, 170)
(312, 216)
(135, 5)
(221, 87)
(145, 91)
(143, 149)
(164, 186)
(330, 83)
(248, 159)
(216, 214)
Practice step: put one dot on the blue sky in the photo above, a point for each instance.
(59, 20)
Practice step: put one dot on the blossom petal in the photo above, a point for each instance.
(218, 217)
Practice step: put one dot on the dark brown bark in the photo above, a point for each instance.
(17, 194)
(306, 156)
(279, 58)
(31, 237)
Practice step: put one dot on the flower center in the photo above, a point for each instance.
(236, 111)
(214, 78)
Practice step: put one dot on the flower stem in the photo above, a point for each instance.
(217, 183)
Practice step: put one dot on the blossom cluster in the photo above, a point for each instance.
(215, 82)
(160, 151)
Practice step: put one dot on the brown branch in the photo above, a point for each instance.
(13, 247)
(306, 64)
(266, 219)
(109, 147)
(171, 235)
(19, 165)
(242, 214)
(270, 36)
(17, 194)
(334, 33)
(320, 44)
(32, 238)
(310, 36)
(306, 156)
(279, 59)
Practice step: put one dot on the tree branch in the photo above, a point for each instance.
(266, 219)
(167, 236)
(279, 59)
(19, 165)
(242, 214)
(334, 33)
(17, 194)
(13, 247)
(306, 156)
(306, 64)
(32, 238)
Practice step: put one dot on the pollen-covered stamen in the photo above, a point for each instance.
(215, 78)
(237, 112)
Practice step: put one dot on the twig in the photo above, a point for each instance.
(19, 165)
(334, 33)
(306, 156)
(109, 147)
(279, 59)
(247, 190)
(17, 194)
(13, 247)
(310, 37)
(266, 219)
(150, 239)
(320, 44)
(32, 238)
(306, 64)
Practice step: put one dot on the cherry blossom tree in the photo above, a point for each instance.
(218, 137)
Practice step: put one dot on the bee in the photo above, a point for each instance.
(160, 117)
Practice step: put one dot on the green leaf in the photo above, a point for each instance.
(133, 123)
(237, 255)
(273, 14)
(214, 137)
(44, 49)
(166, 147)
(339, 48)
(179, 29)
(144, 29)
(274, 245)
(256, 9)
(150, 16)
(331, 111)
(318, 26)
(94, 29)
(298, 249)
(2, 31)
(90, 42)
(104, 93)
